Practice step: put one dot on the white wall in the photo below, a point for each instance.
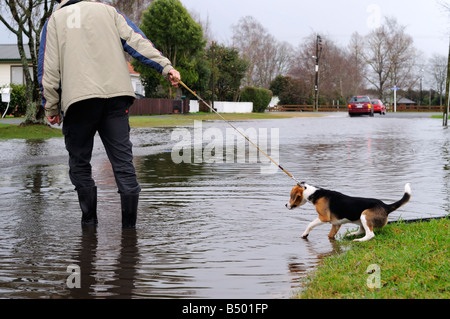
(137, 84)
(193, 106)
(5, 74)
(224, 107)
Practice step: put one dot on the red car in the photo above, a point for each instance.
(378, 107)
(360, 105)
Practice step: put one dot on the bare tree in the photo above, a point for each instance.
(131, 8)
(266, 56)
(340, 75)
(206, 27)
(391, 57)
(356, 59)
(376, 56)
(403, 56)
(26, 18)
(438, 70)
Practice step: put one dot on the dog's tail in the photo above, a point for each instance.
(401, 202)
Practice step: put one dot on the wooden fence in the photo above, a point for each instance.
(307, 108)
(147, 106)
(417, 108)
(344, 108)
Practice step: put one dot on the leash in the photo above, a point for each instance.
(257, 147)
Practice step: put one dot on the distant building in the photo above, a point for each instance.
(405, 101)
(11, 69)
(136, 80)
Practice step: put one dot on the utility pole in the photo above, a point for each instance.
(395, 88)
(447, 95)
(445, 122)
(316, 86)
(213, 82)
(420, 93)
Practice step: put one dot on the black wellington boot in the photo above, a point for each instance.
(87, 197)
(129, 204)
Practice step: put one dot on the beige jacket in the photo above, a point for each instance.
(82, 55)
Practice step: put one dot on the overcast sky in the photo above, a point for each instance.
(292, 20)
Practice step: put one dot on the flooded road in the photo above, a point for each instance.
(207, 230)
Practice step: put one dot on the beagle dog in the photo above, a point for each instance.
(337, 209)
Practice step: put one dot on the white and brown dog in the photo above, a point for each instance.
(337, 209)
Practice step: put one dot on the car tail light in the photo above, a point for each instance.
(349, 106)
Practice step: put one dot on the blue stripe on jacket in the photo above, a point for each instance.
(41, 61)
(135, 54)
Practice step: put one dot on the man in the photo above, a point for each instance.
(84, 79)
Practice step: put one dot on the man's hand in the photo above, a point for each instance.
(174, 77)
(54, 119)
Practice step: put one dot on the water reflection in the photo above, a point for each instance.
(111, 275)
(205, 230)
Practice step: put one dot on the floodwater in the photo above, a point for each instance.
(207, 230)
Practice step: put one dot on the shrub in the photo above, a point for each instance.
(259, 96)
(17, 106)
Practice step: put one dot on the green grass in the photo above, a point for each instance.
(29, 132)
(188, 119)
(438, 116)
(11, 131)
(413, 259)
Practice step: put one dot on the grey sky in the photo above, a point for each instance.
(292, 20)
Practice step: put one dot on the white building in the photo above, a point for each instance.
(11, 69)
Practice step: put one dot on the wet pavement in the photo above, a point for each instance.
(207, 230)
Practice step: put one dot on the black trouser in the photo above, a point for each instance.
(108, 117)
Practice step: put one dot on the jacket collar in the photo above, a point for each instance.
(65, 3)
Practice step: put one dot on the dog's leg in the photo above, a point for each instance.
(314, 223)
(333, 231)
(360, 231)
(369, 232)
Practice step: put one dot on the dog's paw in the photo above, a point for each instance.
(365, 238)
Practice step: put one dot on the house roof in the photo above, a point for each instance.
(404, 100)
(131, 69)
(10, 52)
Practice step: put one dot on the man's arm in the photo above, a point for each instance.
(142, 49)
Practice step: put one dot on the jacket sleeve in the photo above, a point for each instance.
(140, 47)
(48, 69)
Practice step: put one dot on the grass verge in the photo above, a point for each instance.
(438, 116)
(11, 131)
(413, 261)
(188, 119)
(29, 132)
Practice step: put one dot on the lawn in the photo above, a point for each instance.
(409, 260)
(29, 132)
(188, 119)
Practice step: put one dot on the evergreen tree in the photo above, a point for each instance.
(227, 71)
(173, 31)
